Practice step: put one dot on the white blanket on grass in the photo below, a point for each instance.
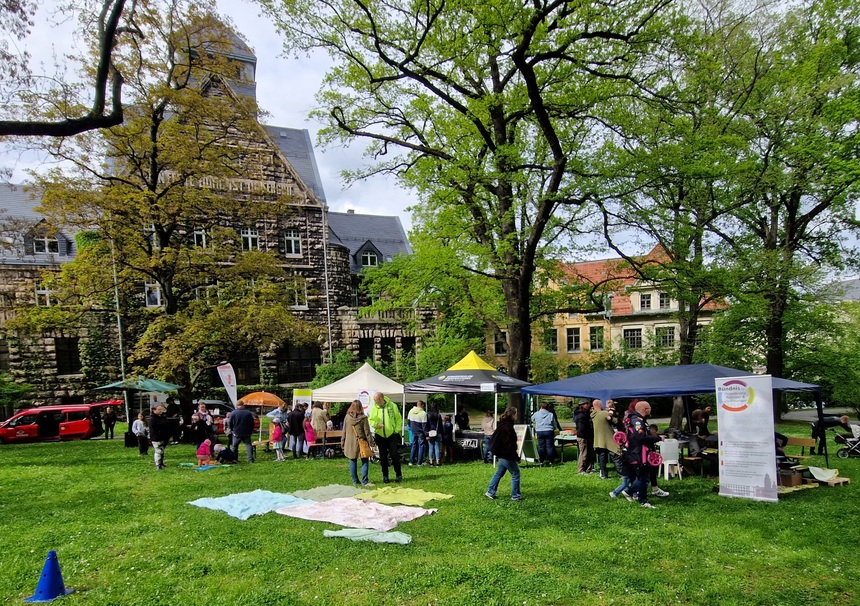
(243, 505)
(354, 513)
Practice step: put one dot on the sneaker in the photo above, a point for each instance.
(490, 496)
(398, 479)
(410, 465)
(648, 505)
(604, 477)
(368, 485)
(659, 492)
(386, 481)
(613, 495)
(520, 498)
(627, 496)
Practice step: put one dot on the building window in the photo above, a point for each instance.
(387, 346)
(644, 301)
(665, 301)
(200, 238)
(150, 234)
(292, 243)
(500, 344)
(665, 336)
(247, 369)
(574, 344)
(207, 292)
(407, 345)
(365, 349)
(68, 356)
(152, 294)
(595, 338)
(43, 296)
(369, 259)
(297, 295)
(298, 364)
(46, 245)
(250, 238)
(633, 338)
(550, 340)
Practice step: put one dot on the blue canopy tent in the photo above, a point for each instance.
(660, 381)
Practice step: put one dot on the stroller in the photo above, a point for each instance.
(850, 445)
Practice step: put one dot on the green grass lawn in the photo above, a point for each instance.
(125, 535)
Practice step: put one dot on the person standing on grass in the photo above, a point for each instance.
(584, 438)
(242, 424)
(276, 436)
(386, 421)
(109, 419)
(434, 434)
(545, 431)
(138, 428)
(605, 446)
(504, 448)
(418, 424)
(296, 429)
(355, 426)
(488, 426)
(160, 431)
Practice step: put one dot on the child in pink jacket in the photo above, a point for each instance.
(204, 453)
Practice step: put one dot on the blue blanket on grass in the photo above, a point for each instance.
(243, 505)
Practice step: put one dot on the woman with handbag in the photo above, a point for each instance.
(356, 441)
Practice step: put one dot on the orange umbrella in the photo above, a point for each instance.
(261, 398)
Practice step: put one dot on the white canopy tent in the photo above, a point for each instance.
(365, 380)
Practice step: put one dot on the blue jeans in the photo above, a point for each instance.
(353, 470)
(417, 448)
(503, 466)
(433, 449)
(488, 456)
(297, 445)
(546, 446)
(625, 482)
(640, 486)
(246, 440)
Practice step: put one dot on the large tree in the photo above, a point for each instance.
(38, 105)
(151, 189)
(489, 110)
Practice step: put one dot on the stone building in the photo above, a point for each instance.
(326, 250)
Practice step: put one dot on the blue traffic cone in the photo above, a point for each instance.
(51, 584)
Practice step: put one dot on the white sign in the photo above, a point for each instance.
(491, 387)
(746, 437)
(364, 398)
(228, 378)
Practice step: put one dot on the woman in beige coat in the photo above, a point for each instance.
(355, 425)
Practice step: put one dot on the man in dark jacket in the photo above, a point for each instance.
(639, 443)
(584, 438)
(242, 426)
(296, 427)
(159, 432)
(820, 427)
(503, 445)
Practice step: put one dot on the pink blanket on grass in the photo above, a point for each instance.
(353, 513)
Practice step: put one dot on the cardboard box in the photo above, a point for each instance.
(788, 477)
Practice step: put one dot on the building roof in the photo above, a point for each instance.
(17, 219)
(358, 232)
(618, 277)
(295, 144)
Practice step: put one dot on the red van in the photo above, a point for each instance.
(49, 423)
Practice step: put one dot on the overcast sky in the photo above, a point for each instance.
(285, 89)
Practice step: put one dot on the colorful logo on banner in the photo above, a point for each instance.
(735, 396)
(228, 378)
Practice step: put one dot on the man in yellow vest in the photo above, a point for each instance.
(386, 422)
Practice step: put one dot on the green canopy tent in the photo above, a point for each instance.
(140, 384)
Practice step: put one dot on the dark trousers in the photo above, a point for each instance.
(109, 431)
(389, 445)
(249, 449)
(142, 444)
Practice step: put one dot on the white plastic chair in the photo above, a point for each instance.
(670, 451)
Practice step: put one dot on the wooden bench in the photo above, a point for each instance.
(328, 439)
(804, 443)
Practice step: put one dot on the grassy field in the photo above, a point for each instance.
(125, 535)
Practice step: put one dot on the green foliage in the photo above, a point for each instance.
(461, 556)
(11, 391)
(343, 365)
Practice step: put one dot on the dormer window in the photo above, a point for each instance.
(644, 301)
(46, 245)
(369, 259)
